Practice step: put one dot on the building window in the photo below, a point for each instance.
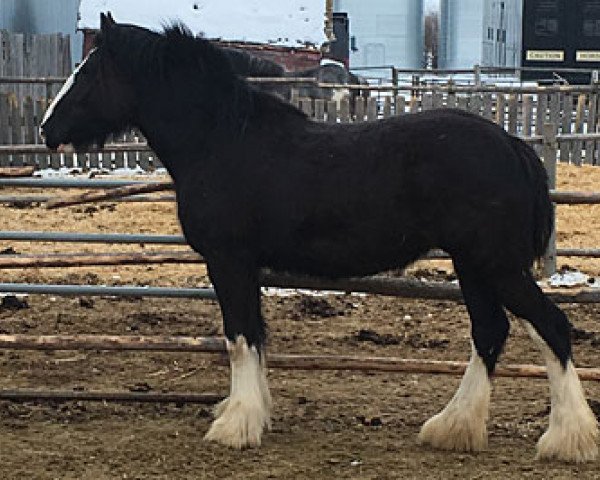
(547, 14)
(546, 27)
(591, 27)
(591, 18)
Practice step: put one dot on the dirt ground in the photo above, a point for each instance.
(326, 425)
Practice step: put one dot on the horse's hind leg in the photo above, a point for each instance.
(241, 418)
(573, 429)
(461, 425)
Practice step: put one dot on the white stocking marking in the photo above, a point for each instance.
(461, 425)
(573, 429)
(242, 417)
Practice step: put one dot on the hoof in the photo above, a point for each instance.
(238, 426)
(575, 443)
(454, 432)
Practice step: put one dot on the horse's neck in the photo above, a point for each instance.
(169, 138)
(187, 141)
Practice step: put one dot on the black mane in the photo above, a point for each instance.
(140, 50)
(249, 65)
(196, 68)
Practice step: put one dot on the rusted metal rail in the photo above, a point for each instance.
(214, 345)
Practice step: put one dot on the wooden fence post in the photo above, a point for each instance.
(28, 128)
(413, 105)
(387, 107)
(332, 111)
(295, 97)
(475, 104)
(371, 108)
(320, 109)
(437, 100)
(578, 128)
(426, 101)
(567, 114)
(345, 110)
(306, 106)
(359, 109)
(477, 75)
(591, 128)
(488, 106)
(400, 105)
(549, 150)
(527, 112)
(451, 100)
(513, 114)
(500, 107)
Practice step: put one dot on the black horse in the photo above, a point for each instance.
(248, 65)
(260, 185)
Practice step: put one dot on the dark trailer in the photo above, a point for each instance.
(561, 34)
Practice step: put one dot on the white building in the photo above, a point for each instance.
(384, 32)
(480, 32)
(291, 23)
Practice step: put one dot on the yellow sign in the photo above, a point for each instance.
(588, 56)
(545, 55)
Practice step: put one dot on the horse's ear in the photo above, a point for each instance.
(106, 21)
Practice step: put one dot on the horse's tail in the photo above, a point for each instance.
(543, 212)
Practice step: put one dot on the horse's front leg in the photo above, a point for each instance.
(241, 418)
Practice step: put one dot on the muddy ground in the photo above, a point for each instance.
(327, 425)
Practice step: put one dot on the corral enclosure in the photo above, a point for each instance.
(326, 425)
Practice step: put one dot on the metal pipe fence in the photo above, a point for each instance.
(122, 238)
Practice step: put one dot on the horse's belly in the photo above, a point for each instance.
(344, 257)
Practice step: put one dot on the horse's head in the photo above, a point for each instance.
(95, 101)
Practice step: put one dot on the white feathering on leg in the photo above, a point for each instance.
(461, 425)
(241, 418)
(573, 431)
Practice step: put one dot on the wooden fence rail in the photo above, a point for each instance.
(284, 361)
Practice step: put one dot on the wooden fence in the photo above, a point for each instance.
(19, 125)
(33, 56)
(521, 111)
(521, 114)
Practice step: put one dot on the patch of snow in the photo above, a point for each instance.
(77, 172)
(292, 292)
(287, 23)
(570, 279)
